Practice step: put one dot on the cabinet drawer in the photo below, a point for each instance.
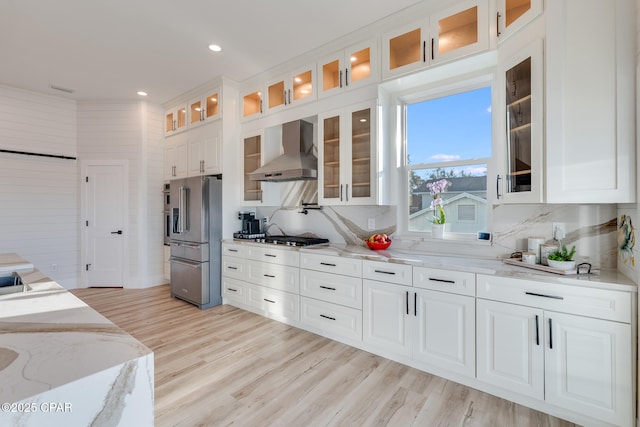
(234, 290)
(274, 303)
(456, 282)
(233, 249)
(333, 318)
(590, 302)
(234, 267)
(272, 255)
(275, 276)
(331, 264)
(333, 288)
(400, 274)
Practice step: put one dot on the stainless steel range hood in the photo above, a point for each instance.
(297, 162)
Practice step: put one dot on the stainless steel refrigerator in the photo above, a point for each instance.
(196, 239)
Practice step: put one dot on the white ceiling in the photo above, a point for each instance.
(109, 49)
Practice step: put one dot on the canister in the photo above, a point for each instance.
(528, 258)
(534, 246)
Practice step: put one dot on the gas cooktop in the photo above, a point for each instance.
(288, 240)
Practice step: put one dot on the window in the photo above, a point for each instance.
(449, 137)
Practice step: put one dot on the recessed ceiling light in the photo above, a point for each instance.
(215, 48)
(142, 93)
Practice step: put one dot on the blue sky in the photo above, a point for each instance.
(455, 127)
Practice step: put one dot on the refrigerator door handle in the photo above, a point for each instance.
(183, 213)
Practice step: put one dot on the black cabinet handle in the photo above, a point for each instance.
(537, 332)
(328, 317)
(415, 304)
(268, 300)
(498, 24)
(328, 288)
(232, 250)
(232, 290)
(340, 78)
(346, 77)
(407, 300)
(384, 272)
(534, 294)
(232, 268)
(433, 279)
(117, 232)
(498, 187)
(550, 335)
(269, 275)
(328, 264)
(433, 49)
(424, 51)
(271, 256)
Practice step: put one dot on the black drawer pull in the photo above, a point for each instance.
(543, 295)
(328, 264)
(328, 317)
(232, 268)
(232, 250)
(550, 335)
(269, 275)
(232, 290)
(384, 272)
(537, 332)
(270, 255)
(268, 300)
(433, 279)
(328, 288)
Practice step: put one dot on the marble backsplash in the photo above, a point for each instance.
(592, 229)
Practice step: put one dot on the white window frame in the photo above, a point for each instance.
(433, 92)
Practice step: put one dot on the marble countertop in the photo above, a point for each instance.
(50, 338)
(604, 279)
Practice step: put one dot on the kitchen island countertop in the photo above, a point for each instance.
(56, 350)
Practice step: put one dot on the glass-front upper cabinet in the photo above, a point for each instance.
(457, 31)
(294, 88)
(346, 156)
(521, 76)
(348, 69)
(252, 104)
(460, 30)
(204, 108)
(175, 120)
(514, 14)
(252, 158)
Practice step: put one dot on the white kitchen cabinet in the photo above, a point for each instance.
(444, 333)
(275, 276)
(176, 159)
(251, 103)
(510, 347)
(204, 151)
(293, 88)
(590, 101)
(433, 327)
(348, 69)
(387, 321)
(283, 306)
(254, 154)
(205, 107)
(460, 30)
(347, 156)
(569, 346)
(520, 144)
(515, 14)
(331, 295)
(234, 291)
(175, 120)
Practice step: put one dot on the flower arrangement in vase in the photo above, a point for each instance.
(439, 218)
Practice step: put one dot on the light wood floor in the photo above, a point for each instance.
(228, 367)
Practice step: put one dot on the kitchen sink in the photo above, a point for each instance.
(12, 284)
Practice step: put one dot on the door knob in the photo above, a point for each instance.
(117, 232)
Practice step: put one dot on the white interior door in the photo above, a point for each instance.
(105, 198)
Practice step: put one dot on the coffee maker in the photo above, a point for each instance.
(250, 226)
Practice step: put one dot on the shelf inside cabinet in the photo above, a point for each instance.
(522, 172)
(361, 159)
(521, 127)
(332, 141)
(519, 101)
(331, 163)
(252, 155)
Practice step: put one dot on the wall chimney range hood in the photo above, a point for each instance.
(297, 162)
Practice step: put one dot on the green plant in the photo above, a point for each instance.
(562, 254)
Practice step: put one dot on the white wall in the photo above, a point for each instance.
(38, 195)
(131, 131)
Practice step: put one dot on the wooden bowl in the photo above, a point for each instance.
(378, 246)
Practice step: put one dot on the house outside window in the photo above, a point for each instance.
(449, 136)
